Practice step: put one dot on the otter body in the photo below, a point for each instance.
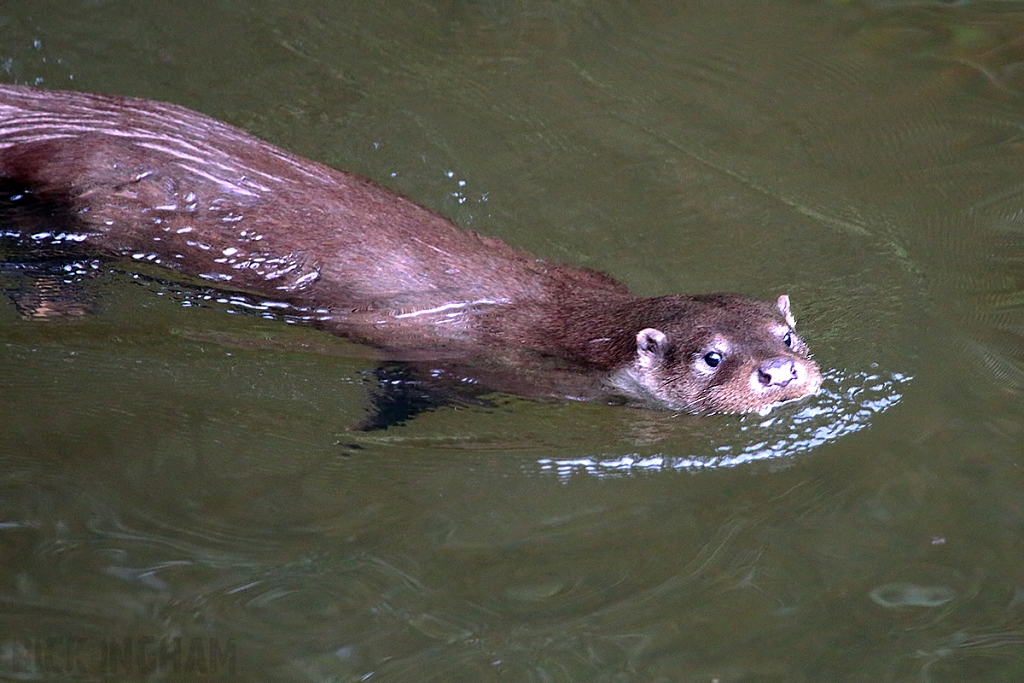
(163, 184)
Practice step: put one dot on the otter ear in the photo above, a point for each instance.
(783, 304)
(650, 346)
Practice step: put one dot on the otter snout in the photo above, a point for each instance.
(783, 378)
(777, 372)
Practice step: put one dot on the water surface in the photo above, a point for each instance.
(179, 479)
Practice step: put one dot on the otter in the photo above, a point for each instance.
(166, 185)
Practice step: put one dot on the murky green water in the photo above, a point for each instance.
(179, 496)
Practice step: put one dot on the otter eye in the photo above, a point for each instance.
(713, 358)
(788, 339)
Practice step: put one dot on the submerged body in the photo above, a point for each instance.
(164, 184)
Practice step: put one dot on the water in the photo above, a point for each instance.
(179, 480)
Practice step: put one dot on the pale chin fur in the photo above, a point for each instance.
(627, 383)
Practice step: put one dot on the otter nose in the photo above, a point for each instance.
(777, 372)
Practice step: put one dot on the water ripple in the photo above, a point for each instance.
(846, 404)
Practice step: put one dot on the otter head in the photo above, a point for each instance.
(720, 353)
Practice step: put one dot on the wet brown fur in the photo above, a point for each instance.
(162, 183)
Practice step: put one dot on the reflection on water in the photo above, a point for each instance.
(168, 471)
(846, 404)
(911, 595)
